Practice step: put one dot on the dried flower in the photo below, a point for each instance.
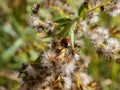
(33, 21)
(113, 8)
(69, 68)
(92, 17)
(112, 45)
(68, 83)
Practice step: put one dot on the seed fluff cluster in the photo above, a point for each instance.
(62, 66)
(59, 68)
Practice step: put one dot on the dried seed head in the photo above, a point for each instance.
(118, 60)
(35, 9)
(33, 21)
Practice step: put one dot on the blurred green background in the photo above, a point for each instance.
(19, 43)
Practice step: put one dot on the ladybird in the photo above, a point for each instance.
(66, 42)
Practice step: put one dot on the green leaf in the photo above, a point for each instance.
(65, 31)
(61, 25)
(80, 10)
(72, 36)
(6, 55)
(63, 20)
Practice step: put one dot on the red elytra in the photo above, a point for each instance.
(66, 42)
